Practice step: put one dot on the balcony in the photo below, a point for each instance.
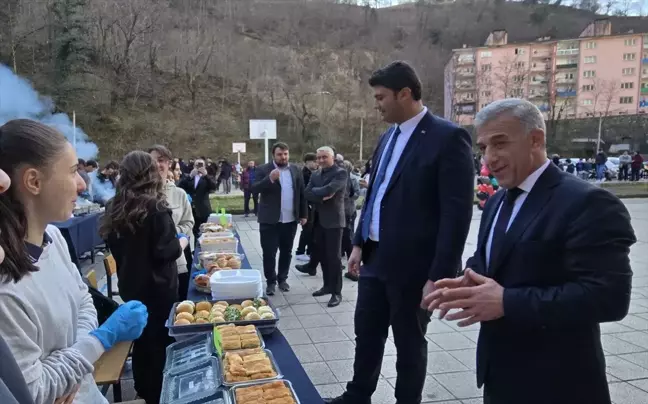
(566, 93)
(543, 107)
(644, 60)
(465, 87)
(465, 73)
(539, 96)
(544, 54)
(463, 61)
(564, 80)
(566, 52)
(540, 68)
(538, 82)
(644, 90)
(567, 66)
(643, 104)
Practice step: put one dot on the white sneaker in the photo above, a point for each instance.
(302, 257)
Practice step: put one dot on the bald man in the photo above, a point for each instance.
(325, 192)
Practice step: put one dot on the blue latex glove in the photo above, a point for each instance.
(125, 324)
(181, 235)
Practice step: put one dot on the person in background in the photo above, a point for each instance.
(280, 186)
(351, 195)
(13, 388)
(102, 186)
(189, 167)
(180, 212)
(580, 168)
(305, 245)
(139, 230)
(625, 161)
(600, 160)
(49, 321)
(198, 185)
(411, 178)
(225, 176)
(325, 192)
(247, 179)
(570, 167)
(637, 163)
(551, 264)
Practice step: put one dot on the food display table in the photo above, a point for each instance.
(81, 234)
(275, 342)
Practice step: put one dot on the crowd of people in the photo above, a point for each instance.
(551, 261)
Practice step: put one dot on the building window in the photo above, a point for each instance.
(518, 79)
(589, 73)
(470, 96)
(630, 42)
(485, 93)
(517, 92)
(486, 68)
(588, 87)
(520, 51)
(628, 71)
(569, 76)
(486, 54)
(587, 102)
(625, 100)
(590, 59)
(627, 86)
(629, 56)
(484, 105)
(590, 45)
(519, 65)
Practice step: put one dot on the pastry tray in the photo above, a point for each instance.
(186, 386)
(287, 383)
(188, 353)
(265, 326)
(273, 363)
(258, 334)
(220, 397)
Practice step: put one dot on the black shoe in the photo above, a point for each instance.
(335, 300)
(306, 269)
(321, 292)
(270, 290)
(351, 276)
(284, 286)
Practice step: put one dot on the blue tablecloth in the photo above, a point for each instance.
(277, 344)
(81, 234)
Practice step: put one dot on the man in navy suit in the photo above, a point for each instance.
(412, 231)
(552, 262)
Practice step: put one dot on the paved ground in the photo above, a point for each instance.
(323, 338)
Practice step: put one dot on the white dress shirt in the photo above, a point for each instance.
(407, 129)
(287, 214)
(197, 180)
(526, 187)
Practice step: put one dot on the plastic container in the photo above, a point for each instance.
(287, 383)
(236, 284)
(273, 363)
(258, 334)
(227, 245)
(182, 332)
(221, 397)
(217, 218)
(209, 258)
(188, 353)
(221, 234)
(189, 385)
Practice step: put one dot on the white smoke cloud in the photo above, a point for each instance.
(19, 100)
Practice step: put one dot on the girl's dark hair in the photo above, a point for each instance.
(23, 142)
(162, 151)
(140, 187)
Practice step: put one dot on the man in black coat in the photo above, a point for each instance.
(325, 191)
(280, 186)
(552, 263)
(198, 186)
(412, 231)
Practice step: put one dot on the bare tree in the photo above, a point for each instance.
(510, 77)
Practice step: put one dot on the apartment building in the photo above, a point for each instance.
(596, 74)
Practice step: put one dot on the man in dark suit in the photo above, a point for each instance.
(412, 231)
(198, 186)
(552, 262)
(325, 191)
(280, 186)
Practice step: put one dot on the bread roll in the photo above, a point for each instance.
(217, 319)
(202, 321)
(203, 306)
(185, 316)
(248, 310)
(222, 303)
(182, 321)
(202, 314)
(247, 303)
(185, 307)
(253, 316)
(267, 316)
(264, 309)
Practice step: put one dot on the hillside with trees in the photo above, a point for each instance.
(191, 73)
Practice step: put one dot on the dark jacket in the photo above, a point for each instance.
(565, 268)
(226, 170)
(199, 195)
(269, 192)
(247, 178)
(601, 158)
(307, 175)
(351, 195)
(637, 162)
(13, 389)
(438, 191)
(146, 260)
(325, 182)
